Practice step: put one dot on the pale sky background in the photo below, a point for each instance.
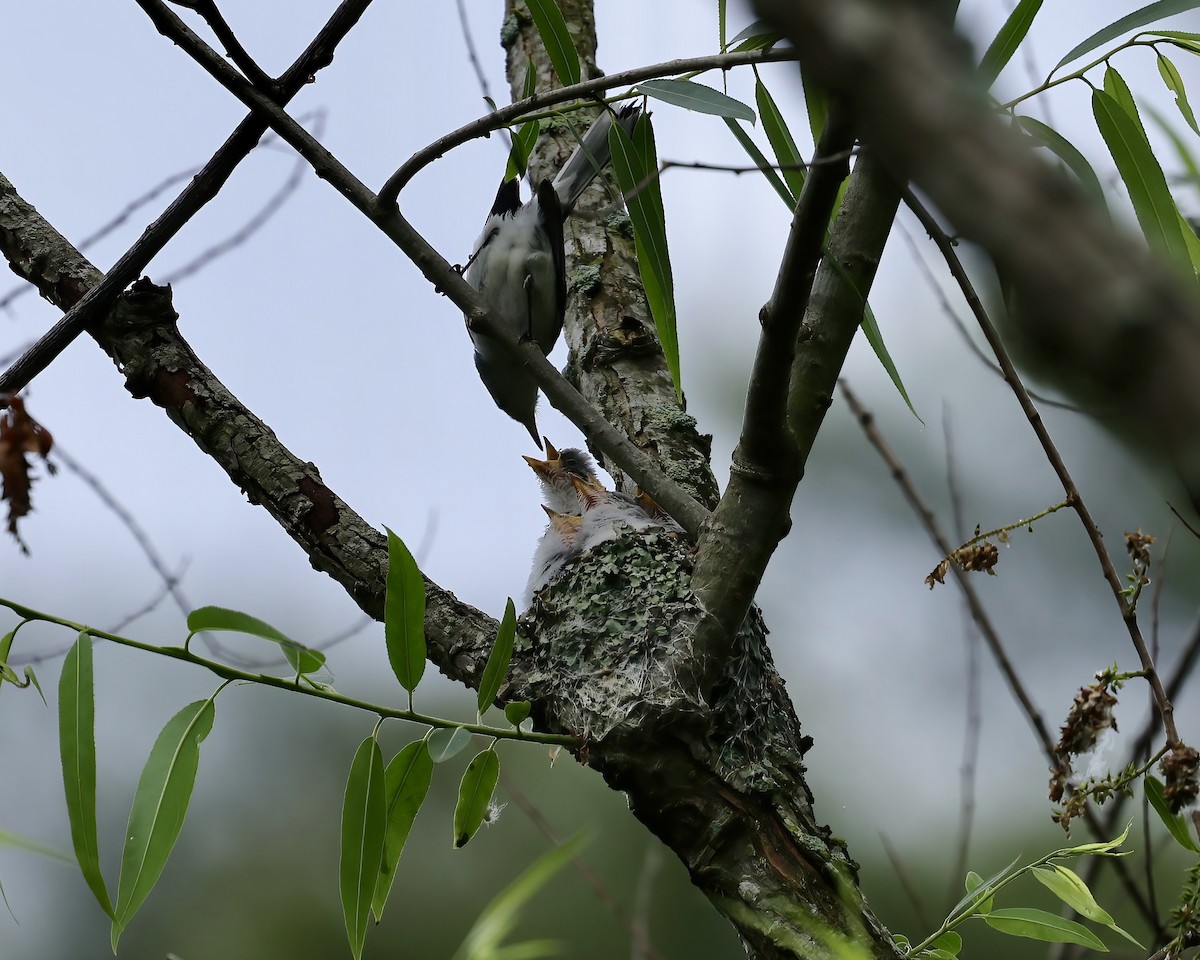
(323, 329)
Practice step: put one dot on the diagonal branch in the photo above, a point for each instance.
(89, 305)
(437, 270)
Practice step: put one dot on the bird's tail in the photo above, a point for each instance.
(592, 154)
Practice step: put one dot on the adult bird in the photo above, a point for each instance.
(518, 266)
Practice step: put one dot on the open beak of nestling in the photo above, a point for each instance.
(592, 493)
(551, 453)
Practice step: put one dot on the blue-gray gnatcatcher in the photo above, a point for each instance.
(518, 266)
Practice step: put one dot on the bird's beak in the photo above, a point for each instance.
(551, 453)
(590, 492)
(540, 467)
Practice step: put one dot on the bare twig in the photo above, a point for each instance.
(233, 47)
(907, 884)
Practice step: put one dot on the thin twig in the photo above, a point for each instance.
(233, 47)
(1011, 377)
(906, 883)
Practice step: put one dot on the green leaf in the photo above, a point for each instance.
(6, 643)
(31, 677)
(160, 803)
(722, 24)
(762, 163)
(696, 96)
(1069, 887)
(1002, 48)
(557, 40)
(363, 827)
(1176, 825)
(1185, 41)
(18, 842)
(1143, 178)
(756, 36)
(77, 744)
(1075, 161)
(404, 614)
(406, 782)
(301, 658)
(446, 743)
(1139, 18)
(496, 668)
(1116, 87)
(517, 712)
(817, 100)
(1039, 925)
(635, 163)
(950, 942)
(978, 889)
(875, 339)
(1174, 82)
(475, 795)
(522, 143)
(1099, 848)
(498, 918)
(780, 137)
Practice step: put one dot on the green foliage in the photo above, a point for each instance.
(302, 659)
(404, 615)
(406, 783)
(557, 40)
(475, 795)
(1002, 48)
(496, 668)
(364, 824)
(160, 803)
(1028, 922)
(697, 97)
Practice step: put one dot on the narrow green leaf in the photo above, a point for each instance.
(444, 744)
(18, 842)
(363, 826)
(557, 40)
(1176, 825)
(875, 338)
(406, 782)
(1143, 178)
(6, 643)
(758, 35)
(77, 744)
(780, 137)
(977, 888)
(517, 712)
(1098, 848)
(1174, 82)
(763, 164)
(1075, 161)
(1039, 925)
(1069, 887)
(722, 24)
(1139, 18)
(496, 668)
(522, 143)
(1116, 87)
(696, 96)
(160, 803)
(1179, 38)
(475, 795)
(404, 614)
(1002, 48)
(635, 163)
(1181, 149)
(817, 100)
(31, 677)
(498, 918)
(301, 658)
